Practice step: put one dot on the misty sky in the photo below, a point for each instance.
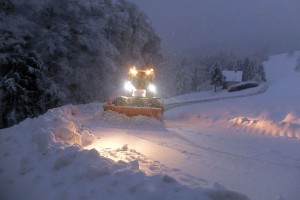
(240, 25)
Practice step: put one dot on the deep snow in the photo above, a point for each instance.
(39, 162)
(246, 144)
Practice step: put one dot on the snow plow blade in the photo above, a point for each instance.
(135, 111)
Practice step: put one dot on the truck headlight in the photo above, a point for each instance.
(151, 88)
(133, 71)
(129, 87)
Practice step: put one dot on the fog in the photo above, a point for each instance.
(240, 26)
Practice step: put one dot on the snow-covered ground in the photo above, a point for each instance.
(248, 143)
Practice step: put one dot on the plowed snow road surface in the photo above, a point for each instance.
(202, 151)
(250, 145)
(258, 166)
(255, 91)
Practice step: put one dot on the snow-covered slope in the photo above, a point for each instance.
(233, 139)
(81, 152)
(275, 112)
(42, 158)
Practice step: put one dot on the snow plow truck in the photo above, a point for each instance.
(140, 96)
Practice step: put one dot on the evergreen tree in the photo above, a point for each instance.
(248, 70)
(129, 30)
(216, 77)
(195, 80)
(24, 89)
(82, 47)
(298, 65)
(238, 65)
(180, 84)
(261, 73)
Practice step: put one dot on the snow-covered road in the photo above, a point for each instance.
(259, 166)
(222, 138)
(248, 145)
(173, 103)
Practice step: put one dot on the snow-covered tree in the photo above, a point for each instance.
(80, 47)
(248, 70)
(6, 8)
(181, 84)
(238, 65)
(260, 75)
(195, 80)
(25, 91)
(298, 65)
(216, 77)
(132, 34)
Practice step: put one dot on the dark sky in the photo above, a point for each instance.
(239, 25)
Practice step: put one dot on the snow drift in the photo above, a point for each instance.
(42, 158)
(279, 108)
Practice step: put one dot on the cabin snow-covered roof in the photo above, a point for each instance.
(233, 76)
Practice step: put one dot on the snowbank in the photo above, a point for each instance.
(278, 110)
(113, 119)
(42, 158)
(268, 127)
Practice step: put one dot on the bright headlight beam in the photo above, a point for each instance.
(149, 71)
(133, 71)
(128, 86)
(152, 88)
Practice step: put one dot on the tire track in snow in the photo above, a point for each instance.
(149, 166)
(209, 149)
(233, 154)
(226, 145)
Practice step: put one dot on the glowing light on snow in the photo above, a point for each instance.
(121, 146)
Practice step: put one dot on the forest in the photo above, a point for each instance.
(58, 52)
